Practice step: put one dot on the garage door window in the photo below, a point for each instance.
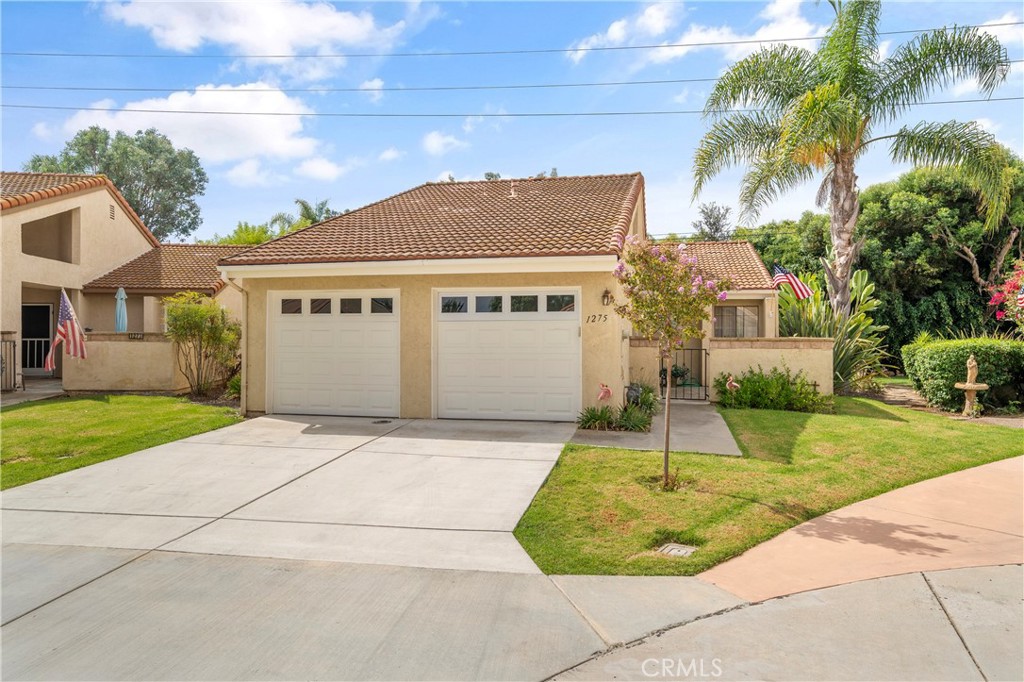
(561, 303)
(488, 304)
(524, 304)
(350, 306)
(291, 306)
(382, 305)
(454, 304)
(320, 306)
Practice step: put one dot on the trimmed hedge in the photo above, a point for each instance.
(778, 389)
(935, 366)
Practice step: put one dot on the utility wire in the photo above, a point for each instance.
(472, 53)
(532, 114)
(395, 88)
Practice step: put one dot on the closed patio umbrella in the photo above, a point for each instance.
(121, 311)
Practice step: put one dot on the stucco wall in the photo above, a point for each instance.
(98, 312)
(734, 356)
(602, 340)
(117, 363)
(101, 244)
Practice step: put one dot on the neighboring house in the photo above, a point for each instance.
(479, 300)
(78, 233)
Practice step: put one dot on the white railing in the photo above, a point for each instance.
(33, 356)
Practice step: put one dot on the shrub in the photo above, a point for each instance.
(934, 368)
(778, 389)
(207, 339)
(599, 418)
(233, 389)
(632, 418)
(644, 396)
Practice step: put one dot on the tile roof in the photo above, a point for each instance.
(737, 261)
(565, 216)
(19, 189)
(170, 268)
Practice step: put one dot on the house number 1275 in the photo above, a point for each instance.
(596, 318)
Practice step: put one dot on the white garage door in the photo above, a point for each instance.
(508, 355)
(334, 352)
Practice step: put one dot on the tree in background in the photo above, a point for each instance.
(666, 301)
(159, 182)
(245, 234)
(309, 214)
(713, 224)
(815, 113)
(798, 245)
(207, 340)
(490, 175)
(928, 251)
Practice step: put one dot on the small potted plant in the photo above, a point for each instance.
(679, 374)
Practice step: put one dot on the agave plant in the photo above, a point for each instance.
(857, 354)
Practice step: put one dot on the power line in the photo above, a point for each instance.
(347, 114)
(471, 53)
(396, 88)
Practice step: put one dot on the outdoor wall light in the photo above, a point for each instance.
(606, 297)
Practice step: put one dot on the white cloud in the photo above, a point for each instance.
(216, 138)
(471, 122)
(988, 125)
(319, 168)
(437, 143)
(651, 22)
(445, 176)
(784, 23)
(250, 173)
(495, 116)
(42, 130)
(1009, 36)
(288, 28)
(373, 89)
(390, 154)
(683, 97)
(884, 49)
(969, 87)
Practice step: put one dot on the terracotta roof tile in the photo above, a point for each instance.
(170, 268)
(566, 216)
(19, 189)
(737, 261)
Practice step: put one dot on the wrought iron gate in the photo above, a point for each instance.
(687, 377)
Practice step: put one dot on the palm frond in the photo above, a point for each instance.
(768, 79)
(767, 179)
(933, 61)
(964, 146)
(848, 54)
(739, 138)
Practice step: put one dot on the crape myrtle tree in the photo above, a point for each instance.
(667, 300)
(789, 114)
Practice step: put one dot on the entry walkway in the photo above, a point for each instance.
(696, 427)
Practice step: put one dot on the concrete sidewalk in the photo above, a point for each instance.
(696, 427)
(962, 624)
(973, 517)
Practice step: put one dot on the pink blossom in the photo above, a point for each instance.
(1000, 314)
(698, 280)
(710, 284)
(722, 296)
(620, 269)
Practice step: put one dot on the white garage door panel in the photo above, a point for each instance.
(508, 368)
(333, 363)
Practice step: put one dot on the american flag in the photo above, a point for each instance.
(69, 332)
(784, 276)
(1020, 296)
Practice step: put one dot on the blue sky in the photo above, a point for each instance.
(259, 164)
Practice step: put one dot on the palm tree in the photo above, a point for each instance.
(309, 214)
(814, 112)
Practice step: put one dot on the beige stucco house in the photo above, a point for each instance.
(476, 300)
(78, 233)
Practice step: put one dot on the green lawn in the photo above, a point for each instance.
(602, 511)
(47, 437)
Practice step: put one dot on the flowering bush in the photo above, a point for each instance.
(1006, 297)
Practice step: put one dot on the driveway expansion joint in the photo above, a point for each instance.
(952, 624)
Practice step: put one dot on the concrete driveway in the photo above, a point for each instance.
(309, 548)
